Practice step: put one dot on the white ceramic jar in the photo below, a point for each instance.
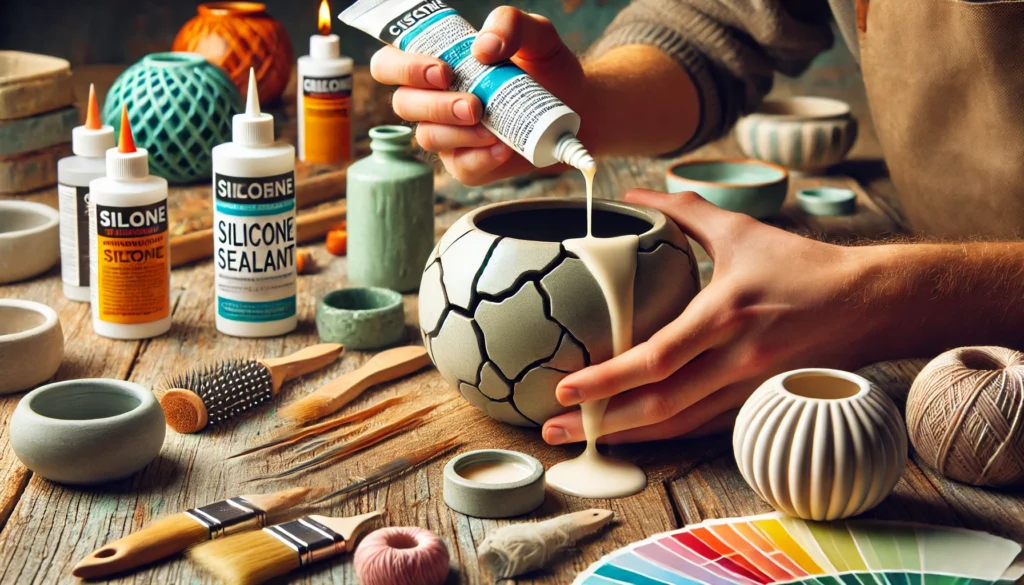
(820, 444)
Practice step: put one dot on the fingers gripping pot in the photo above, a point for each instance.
(506, 312)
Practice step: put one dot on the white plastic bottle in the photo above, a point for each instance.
(89, 143)
(517, 109)
(254, 227)
(130, 266)
(324, 96)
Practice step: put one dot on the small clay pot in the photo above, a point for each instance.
(29, 240)
(361, 318)
(820, 444)
(87, 431)
(827, 201)
(31, 344)
(753, 187)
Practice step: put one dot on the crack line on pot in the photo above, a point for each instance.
(474, 296)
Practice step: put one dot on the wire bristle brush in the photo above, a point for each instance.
(257, 557)
(215, 393)
(173, 534)
(386, 366)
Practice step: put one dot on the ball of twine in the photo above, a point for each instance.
(965, 415)
(406, 555)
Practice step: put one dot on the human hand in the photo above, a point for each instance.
(449, 122)
(776, 302)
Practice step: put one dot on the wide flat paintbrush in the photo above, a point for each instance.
(215, 393)
(257, 557)
(173, 534)
(385, 366)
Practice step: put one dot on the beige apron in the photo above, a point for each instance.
(945, 80)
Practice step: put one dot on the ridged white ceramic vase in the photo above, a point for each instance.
(820, 444)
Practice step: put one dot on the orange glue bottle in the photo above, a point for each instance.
(325, 97)
(130, 265)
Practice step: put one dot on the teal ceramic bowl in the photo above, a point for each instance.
(361, 318)
(747, 186)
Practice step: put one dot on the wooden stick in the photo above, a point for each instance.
(309, 226)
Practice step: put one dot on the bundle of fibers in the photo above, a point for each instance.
(520, 548)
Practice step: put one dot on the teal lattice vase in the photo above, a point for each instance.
(180, 107)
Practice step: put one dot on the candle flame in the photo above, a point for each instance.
(323, 20)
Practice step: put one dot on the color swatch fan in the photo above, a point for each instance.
(774, 548)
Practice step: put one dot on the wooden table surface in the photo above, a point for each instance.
(47, 528)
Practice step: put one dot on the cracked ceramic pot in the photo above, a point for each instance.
(506, 312)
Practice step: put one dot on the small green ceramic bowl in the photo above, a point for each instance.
(747, 186)
(361, 318)
(827, 201)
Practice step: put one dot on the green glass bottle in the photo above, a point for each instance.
(390, 213)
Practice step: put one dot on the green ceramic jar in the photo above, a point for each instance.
(390, 213)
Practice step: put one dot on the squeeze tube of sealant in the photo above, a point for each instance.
(517, 109)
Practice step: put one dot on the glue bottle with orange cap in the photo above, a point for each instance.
(325, 97)
(130, 268)
(89, 143)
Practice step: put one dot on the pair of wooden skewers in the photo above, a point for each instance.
(237, 539)
(219, 392)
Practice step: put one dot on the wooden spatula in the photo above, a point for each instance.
(385, 366)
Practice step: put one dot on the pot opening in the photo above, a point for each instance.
(17, 320)
(84, 401)
(229, 8)
(17, 220)
(979, 360)
(804, 107)
(820, 386)
(560, 224)
(362, 299)
(173, 59)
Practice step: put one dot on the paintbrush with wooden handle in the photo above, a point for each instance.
(257, 557)
(173, 534)
(385, 366)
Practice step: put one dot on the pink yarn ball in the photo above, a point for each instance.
(406, 555)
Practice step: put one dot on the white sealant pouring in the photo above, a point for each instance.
(612, 262)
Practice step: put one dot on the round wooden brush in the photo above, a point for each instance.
(173, 534)
(218, 392)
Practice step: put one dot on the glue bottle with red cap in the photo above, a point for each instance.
(89, 143)
(130, 268)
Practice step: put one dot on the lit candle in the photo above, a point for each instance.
(325, 97)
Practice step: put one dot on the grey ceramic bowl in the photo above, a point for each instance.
(29, 240)
(493, 500)
(87, 431)
(361, 318)
(31, 344)
(753, 187)
(804, 134)
(506, 312)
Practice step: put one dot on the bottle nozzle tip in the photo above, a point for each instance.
(252, 106)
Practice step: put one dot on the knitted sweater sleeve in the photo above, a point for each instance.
(730, 48)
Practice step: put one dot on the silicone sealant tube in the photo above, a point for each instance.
(517, 109)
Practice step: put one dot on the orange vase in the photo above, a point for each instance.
(236, 36)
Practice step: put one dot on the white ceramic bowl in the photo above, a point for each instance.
(820, 444)
(804, 134)
(31, 344)
(29, 239)
(87, 431)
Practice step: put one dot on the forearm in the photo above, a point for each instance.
(640, 102)
(927, 298)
